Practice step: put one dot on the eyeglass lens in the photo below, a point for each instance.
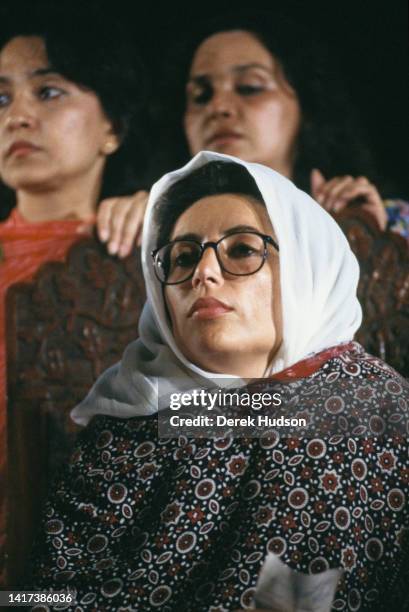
(238, 254)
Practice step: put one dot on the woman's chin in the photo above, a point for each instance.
(215, 334)
(234, 148)
(28, 179)
(212, 351)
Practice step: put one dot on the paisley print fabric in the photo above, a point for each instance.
(142, 523)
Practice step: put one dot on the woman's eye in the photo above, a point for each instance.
(49, 93)
(184, 260)
(249, 90)
(201, 96)
(241, 250)
(4, 99)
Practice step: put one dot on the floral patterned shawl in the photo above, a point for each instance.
(142, 523)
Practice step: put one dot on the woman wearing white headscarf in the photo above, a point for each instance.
(247, 277)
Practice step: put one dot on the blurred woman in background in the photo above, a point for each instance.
(68, 105)
(262, 90)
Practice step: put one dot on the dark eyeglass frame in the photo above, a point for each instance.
(214, 245)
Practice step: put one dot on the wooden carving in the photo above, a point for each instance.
(63, 330)
(383, 289)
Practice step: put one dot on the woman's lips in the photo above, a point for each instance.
(208, 308)
(21, 148)
(223, 138)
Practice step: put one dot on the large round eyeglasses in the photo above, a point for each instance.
(239, 253)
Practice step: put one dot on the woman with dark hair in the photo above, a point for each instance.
(251, 288)
(259, 88)
(104, 62)
(68, 104)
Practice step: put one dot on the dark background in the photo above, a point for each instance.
(369, 39)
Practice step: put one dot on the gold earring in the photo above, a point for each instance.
(109, 147)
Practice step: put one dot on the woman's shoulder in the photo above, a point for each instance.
(10, 221)
(356, 360)
(371, 389)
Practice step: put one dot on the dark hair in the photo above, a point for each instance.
(329, 137)
(214, 178)
(98, 56)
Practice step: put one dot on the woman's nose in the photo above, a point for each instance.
(222, 103)
(208, 269)
(20, 114)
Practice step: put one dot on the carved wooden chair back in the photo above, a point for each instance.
(63, 330)
(383, 289)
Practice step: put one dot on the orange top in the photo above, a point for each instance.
(24, 246)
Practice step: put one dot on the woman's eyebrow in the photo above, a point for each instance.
(240, 228)
(188, 236)
(5, 80)
(204, 77)
(198, 79)
(231, 230)
(244, 67)
(44, 72)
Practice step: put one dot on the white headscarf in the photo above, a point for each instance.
(319, 276)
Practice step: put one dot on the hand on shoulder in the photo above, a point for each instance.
(341, 191)
(120, 222)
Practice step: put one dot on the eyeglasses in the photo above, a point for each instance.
(240, 254)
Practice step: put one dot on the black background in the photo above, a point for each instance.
(370, 41)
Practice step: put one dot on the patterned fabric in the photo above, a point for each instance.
(398, 216)
(141, 523)
(24, 247)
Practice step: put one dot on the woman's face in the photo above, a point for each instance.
(239, 102)
(52, 131)
(241, 331)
